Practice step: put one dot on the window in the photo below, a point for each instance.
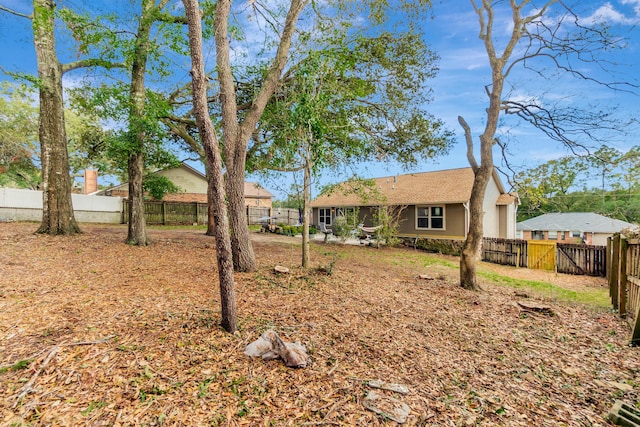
(325, 216)
(430, 217)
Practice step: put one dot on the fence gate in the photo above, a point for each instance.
(541, 255)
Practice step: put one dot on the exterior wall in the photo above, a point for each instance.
(455, 222)
(599, 238)
(26, 205)
(187, 181)
(258, 202)
(589, 238)
(491, 218)
(185, 197)
(511, 221)
(502, 222)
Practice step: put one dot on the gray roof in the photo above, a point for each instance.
(573, 221)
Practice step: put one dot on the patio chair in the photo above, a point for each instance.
(327, 231)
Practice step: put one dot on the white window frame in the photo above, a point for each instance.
(323, 215)
(430, 217)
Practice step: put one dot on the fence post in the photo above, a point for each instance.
(613, 279)
(622, 275)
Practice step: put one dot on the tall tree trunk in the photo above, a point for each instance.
(214, 167)
(57, 207)
(137, 230)
(236, 137)
(211, 199)
(305, 209)
(243, 255)
(473, 244)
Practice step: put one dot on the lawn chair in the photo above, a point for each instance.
(367, 232)
(327, 231)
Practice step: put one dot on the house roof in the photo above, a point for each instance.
(251, 189)
(255, 191)
(446, 186)
(573, 221)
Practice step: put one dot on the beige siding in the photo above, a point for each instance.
(187, 181)
(491, 219)
(257, 202)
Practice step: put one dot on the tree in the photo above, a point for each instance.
(535, 41)
(132, 103)
(358, 98)
(236, 133)
(605, 160)
(210, 144)
(545, 188)
(18, 138)
(57, 208)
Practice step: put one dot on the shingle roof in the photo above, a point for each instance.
(254, 190)
(573, 221)
(447, 186)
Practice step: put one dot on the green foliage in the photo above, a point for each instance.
(440, 246)
(388, 218)
(358, 97)
(18, 366)
(294, 230)
(364, 189)
(607, 183)
(158, 186)
(18, 137)
(346, 224)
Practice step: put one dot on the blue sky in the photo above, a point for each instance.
(459, 86)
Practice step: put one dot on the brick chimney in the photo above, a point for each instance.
(90, 181)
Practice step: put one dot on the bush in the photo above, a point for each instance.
(294, 230)
(440, 246)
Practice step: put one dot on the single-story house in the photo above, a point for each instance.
(194, 186)
(571, 227)
(436, 204)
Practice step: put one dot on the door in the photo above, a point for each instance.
(541, 255)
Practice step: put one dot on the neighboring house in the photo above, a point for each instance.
(571, 227)
(436, 204)
(194, 188)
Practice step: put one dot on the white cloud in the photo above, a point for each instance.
(607, 13)
(634, 3)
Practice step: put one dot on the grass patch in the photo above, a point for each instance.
(593, 297)
(22, 364)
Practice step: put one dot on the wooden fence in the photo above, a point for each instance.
(176, 213)
(170, 213)
(562, 257)
(623, 275)
(505, 251)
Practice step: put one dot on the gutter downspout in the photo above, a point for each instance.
(466, 219)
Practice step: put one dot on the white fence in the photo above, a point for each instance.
(26, 205)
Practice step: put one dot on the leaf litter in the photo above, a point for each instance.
(96, 332)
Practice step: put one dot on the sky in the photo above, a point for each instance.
(459, 87)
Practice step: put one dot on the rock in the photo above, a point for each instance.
(398, 388)
(270, 346)
(388, 407)
(281, 269)
(425, 277)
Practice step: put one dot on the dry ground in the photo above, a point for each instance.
(95, 332)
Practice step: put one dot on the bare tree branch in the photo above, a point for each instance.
(16, 13)
(469, 140)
